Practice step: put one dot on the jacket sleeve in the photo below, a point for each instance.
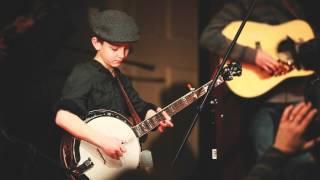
(214, 41)
(75, 92)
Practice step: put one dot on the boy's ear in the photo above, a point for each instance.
(96, 43)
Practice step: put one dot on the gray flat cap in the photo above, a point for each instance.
(114, 26)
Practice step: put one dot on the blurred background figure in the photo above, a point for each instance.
(263, 98)
(290, 141)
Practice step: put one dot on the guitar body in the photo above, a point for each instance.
(254, 82)
(74, 153)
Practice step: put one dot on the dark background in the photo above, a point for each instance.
(39, 59)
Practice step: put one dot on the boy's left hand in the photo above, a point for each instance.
(165, 123)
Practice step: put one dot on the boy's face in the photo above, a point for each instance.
(111, 54)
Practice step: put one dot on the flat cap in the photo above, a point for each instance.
(114, 26)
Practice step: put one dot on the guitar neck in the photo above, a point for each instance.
(148, 124)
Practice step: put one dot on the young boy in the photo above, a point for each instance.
(92, 85)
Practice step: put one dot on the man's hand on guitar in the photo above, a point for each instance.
(112, 147)
(268, 64)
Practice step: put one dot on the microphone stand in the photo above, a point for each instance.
(215, 77)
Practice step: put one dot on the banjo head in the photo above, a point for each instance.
(112, 124)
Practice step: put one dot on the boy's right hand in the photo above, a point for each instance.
(113, 147)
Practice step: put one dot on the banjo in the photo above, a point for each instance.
(82, 159)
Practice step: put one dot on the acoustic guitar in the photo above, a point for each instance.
(254, 81)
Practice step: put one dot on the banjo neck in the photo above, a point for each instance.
(149, 124)
(145, 126)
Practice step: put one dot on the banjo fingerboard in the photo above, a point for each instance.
(148, 124)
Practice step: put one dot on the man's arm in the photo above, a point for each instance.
(213, 40)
